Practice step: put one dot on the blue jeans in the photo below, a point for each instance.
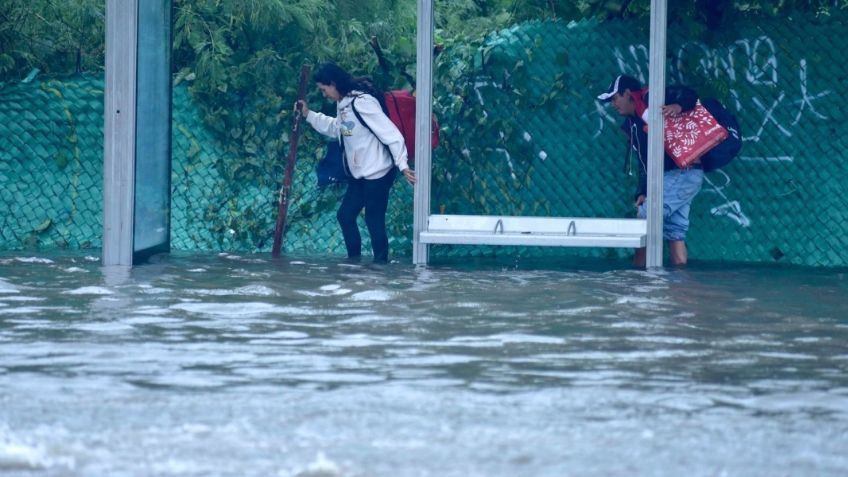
(374, 196)
(680, 186)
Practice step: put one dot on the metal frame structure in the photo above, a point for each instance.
(137, 137)
(119, 140)
(532, 231)
(656, 85)
(122, 25)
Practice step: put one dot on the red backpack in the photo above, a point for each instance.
(400, 107)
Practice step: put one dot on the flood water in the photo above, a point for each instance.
(226, 365)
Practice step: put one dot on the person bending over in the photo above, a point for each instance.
(680, 186)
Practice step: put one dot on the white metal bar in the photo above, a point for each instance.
(535, 239)
(119, 130)
(535, 231)
(423, 113)
(656, 84)
(533, 225)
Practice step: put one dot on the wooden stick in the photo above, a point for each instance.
(280, 230)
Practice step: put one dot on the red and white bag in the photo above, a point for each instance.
(690, 135)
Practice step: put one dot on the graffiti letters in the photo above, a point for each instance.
(806, 99)
(731, 209)
(782, 95)
(768, 116)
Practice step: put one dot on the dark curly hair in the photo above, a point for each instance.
(331, 73)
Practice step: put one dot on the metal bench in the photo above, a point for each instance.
(535, 231)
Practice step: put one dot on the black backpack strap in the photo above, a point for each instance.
(362, 120)
(345, 166)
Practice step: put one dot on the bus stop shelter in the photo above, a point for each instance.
(137, 117)
(429, 229)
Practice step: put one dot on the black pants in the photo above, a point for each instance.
(374, 196)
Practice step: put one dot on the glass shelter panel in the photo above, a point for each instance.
(153, 130)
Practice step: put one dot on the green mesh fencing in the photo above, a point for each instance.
(528, 138)
(521, 135)
(51, 163)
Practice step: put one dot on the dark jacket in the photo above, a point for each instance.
(634, 129)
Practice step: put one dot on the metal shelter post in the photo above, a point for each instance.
(119, 141)
(423, 129)
(656, 85)
(534, 231)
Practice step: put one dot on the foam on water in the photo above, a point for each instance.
(36, 310)
(39, 260)
(355, 341)
(634, 355)
(471, 305)
(75, 270)
(325, 292)
(470, 342)
(286, 335)
(373, 295)
(150, 320)
(580, 310)
(788, 356)
(661, 339)
(369, 319)
(21, 298)
(243, 310)
(249, 290)
(339, 378)
(321, 467)
(20, 455)
(632, 325)
(17, 456)
(104, 327)
(811, 339)
(643, 302)
(522, 338)
(152, 310)
(6, 287)
(89, 291)
(175, 466)
(507, 314)
(334, 289)
(437, 360)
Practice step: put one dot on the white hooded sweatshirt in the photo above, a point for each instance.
(367, 157)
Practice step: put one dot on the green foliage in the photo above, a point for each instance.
(492, 161)
(56, 37)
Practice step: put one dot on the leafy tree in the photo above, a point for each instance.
(56, 37)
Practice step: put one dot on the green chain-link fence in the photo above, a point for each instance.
(521, 135)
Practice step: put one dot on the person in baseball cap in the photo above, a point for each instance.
(680, 186)
(619, 86)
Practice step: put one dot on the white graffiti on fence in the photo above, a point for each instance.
(731, 209)
(768, 116)
(748, 62)
(806, 99)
